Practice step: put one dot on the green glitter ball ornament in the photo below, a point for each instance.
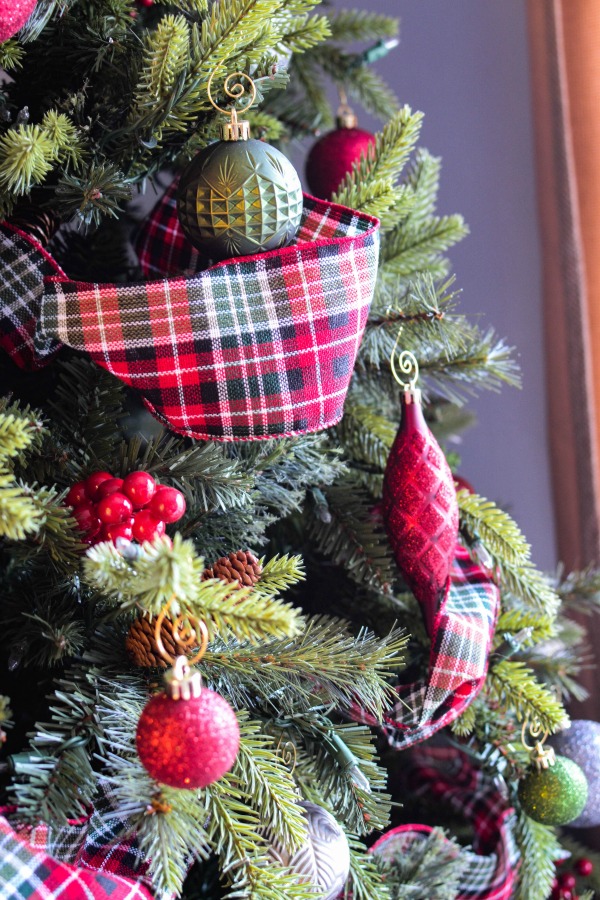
(239, 197)
(556, 795)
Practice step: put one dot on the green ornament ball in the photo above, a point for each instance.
(237, 198)
(556, 795)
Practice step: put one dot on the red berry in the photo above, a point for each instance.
(567, 881)
(93, 483)
(114, 509)
(112, 532)
(76, 495)
(140, 488)
(146, 526)
(584, 866)
(168, 504)
(87, 518)
(110, 486)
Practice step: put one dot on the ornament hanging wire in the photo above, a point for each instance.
(541, 757)
(187, 631)
(408, 365)
(288, 754)
(235, 91)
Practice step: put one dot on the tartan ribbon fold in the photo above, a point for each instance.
(251, 348)
(460, 645)
(447, 774)
(73, 864)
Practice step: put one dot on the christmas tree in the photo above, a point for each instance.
(372, 636)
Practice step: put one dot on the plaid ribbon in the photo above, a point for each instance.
(460, 645)
(23, 266)
(29, 870)
(257, 347)
(449, 776)
(161, 245)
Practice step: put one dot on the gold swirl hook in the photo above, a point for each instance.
(187, 632)
(235, 91)
(407, 362)
(288, 754)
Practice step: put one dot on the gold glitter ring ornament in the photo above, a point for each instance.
(554, 790)
(187, 736)
(239, 196)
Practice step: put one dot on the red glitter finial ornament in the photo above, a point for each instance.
(187, 736)
(419, 503)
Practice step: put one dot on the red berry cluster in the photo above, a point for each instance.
(565, 883)
(133, 508)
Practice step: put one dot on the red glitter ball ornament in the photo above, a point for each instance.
(189, 736)
(13, 15)
(419, 508)
(333, 155)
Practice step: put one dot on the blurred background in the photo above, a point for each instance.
(465, 64)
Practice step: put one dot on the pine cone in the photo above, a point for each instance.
(140, 643)
(242, 567)
(40, 224)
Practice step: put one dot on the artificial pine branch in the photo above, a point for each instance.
(515, 687)
(370, 186)
(366, 881)
(347, 531)
(539, 848)
(165, 573)
(360, 25)
(266, 779)
(324, 659)
(429, 869)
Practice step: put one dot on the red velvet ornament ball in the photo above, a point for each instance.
(188, 743)
(420, 509)
(332, 157)
(13, 15)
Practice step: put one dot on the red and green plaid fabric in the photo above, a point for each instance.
(448, 775)
(460, 645)
(161, 245)
(23, 266)
(28, 871)
(256, 347)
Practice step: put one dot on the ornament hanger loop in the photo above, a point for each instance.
(408, 365)
(235, 91)
(533, 730)
(288, 753)
(187, 632)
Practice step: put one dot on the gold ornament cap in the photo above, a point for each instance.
(182, 682)
(234, 130)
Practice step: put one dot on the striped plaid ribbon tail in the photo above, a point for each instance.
(448, 775)
(28, 870)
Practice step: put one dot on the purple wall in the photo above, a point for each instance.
(464, 63)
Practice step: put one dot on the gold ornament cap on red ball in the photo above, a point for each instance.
(239, 196)
(187, 736)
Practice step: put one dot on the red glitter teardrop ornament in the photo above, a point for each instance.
(333, 155)
(419, 508)
(188, 736)
(13, 15)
